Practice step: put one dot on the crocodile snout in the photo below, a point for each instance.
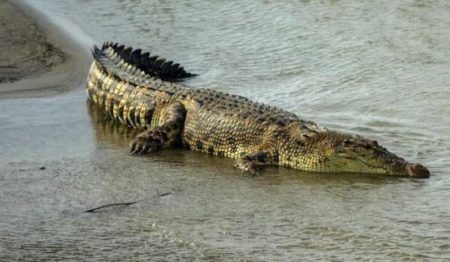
(417, 170)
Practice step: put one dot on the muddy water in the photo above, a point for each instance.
(376, 68)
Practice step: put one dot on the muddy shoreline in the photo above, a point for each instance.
(37, 58)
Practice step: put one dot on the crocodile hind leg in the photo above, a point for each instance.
(171, 120)
(251, 163)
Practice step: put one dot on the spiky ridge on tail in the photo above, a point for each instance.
(121, 81)
(152, 65)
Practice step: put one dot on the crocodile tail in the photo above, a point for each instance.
(153, 66)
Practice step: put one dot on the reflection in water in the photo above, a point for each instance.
(107, 130)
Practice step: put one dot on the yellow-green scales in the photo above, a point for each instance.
(143, 92)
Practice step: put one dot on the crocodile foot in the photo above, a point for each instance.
(252, 163)
(248, 167)
(144, 143)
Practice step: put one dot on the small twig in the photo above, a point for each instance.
(109, 205)
(165, 194)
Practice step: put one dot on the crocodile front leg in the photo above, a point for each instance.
(171, 122)
(251, 163)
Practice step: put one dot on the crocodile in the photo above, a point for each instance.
(146, 92)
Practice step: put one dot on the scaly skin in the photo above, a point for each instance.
(140, 91)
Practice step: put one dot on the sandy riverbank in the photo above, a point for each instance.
(36, 58)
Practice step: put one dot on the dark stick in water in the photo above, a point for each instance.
(109, 205)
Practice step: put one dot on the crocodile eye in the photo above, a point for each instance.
(374, 143)
(346, 142)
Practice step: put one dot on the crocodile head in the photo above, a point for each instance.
(336, 152)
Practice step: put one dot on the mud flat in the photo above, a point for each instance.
(37, 59)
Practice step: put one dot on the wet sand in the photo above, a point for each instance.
(36, 58)
(26, 49)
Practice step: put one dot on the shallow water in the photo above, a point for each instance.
(376, 68)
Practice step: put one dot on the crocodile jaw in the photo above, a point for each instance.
(332, 152)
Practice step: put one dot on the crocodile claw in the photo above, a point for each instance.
(247, 167)
(140, 146)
